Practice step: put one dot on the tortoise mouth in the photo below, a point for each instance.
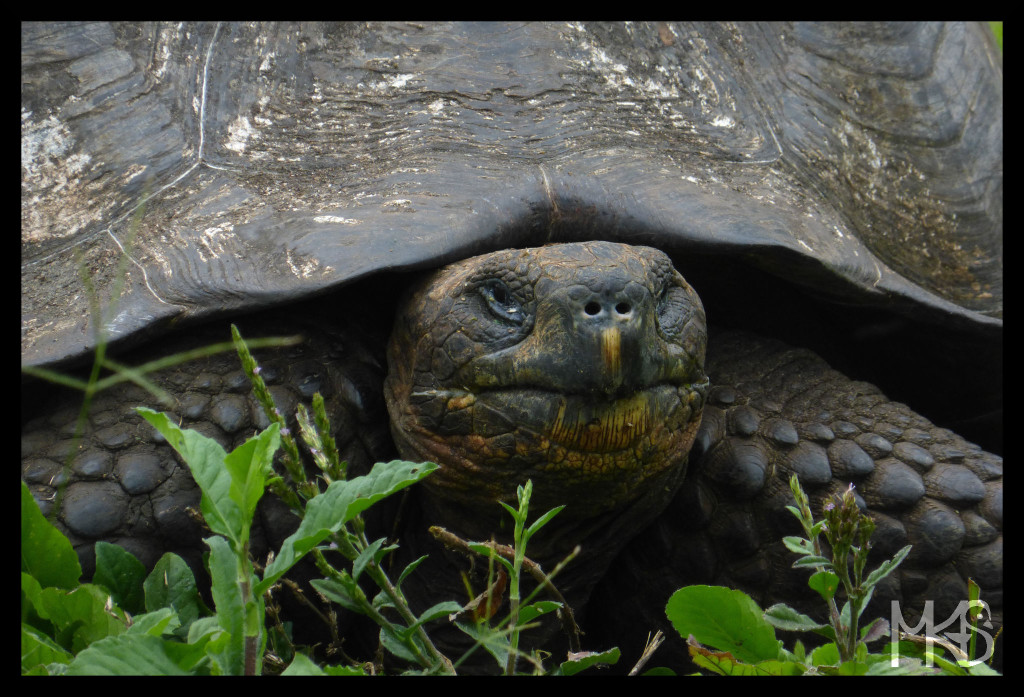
(582, 423)
(605, 451)
(516, 429)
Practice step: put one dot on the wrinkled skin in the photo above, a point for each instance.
(582, 370)
(490, 355)
(583, 367)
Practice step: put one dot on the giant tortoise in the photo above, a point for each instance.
(832, 191)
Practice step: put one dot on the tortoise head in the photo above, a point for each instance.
(579, 366)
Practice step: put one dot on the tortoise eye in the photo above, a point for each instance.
(502, 303)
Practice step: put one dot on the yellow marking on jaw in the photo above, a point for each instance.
(607, 430)
(461, 402)
(611, 351)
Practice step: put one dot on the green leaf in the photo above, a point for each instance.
(514, 512)
(339, 503)
(338, 592)
(158, 623)
(45, 553)
(528, 613)
(365, 557)
(408, 570)
(38, 649)
(122, 574)
(725, 663)
(827, 655)
(344, 670)
(249, 466)
(798, 545)
(852, 668)
(886, 567)
(582, 661)
(82, 616)
(438, 611)
(227, 596)
(982, 669)
(132, 654)
(875, 630)
(812, 561)
(302, 665)
(726, 619)
(394, 644)
(486, 550)
(206, 629)
(494, 641)
(541, 522)
(171, 585)
(825, 583)
(786, 618)
(205, 459)
(30, 603)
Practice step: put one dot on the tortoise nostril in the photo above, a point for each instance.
(592, 308)
(623, 308)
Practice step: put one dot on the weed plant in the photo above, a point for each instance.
(129, 622)
(728, 634)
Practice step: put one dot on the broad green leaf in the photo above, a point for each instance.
(528, 613)
(122, 574)
(205, 459)
(826, 655)
(227, 596)
(339, 503)
(132, 654)
(45, 553)
(798, 545)
(852, 668)
(39, 649)
(82, 616)
(982, 669)
(205, 629)
(249, 465)
(725, 619)
(171, 584)
(302, 665)
(337, 591)
(825, 583)
(875, 630)
(393, 644)
(158, 623)
(725, 663)
(30, 603)
(494, 641)
(812, 561)
(786, 618)
(582, 661)
(442, 609)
